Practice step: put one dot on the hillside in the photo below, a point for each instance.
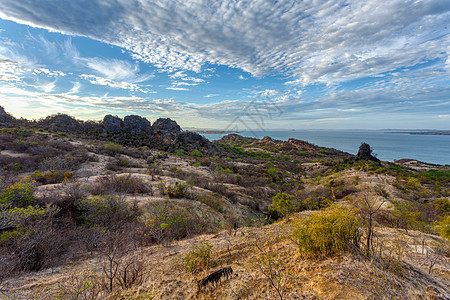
(126, 209)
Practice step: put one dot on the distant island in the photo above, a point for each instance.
(425, 132)
(213, 131)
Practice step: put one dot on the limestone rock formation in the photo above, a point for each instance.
(365, 153)
(5, 118)
(164, 126)
(112, 124)
(136, 125)
(62, 122)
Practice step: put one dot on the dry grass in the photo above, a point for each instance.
(344, 276)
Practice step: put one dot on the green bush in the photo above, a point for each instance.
(222, 170)
(327, 232)
(443, 205)
(105, 211)
(177, 190)
(283, 203)
(199, 258)
(113, 148)
(413, 183)
(19, 194)
(443, 227)
(167, 221)
(196, 153)
(409, 216)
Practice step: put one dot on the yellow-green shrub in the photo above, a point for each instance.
(19, 194)
(199, 258)
(283, 203)
(443, 227)
(327, 232)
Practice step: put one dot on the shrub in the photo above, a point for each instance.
(283, 203)
(413, 183)
(408, 216)
(112, 148)
(105, 211)
(177, 190)
(51, 177)
(443, 205)
(119, 184)
(199, 258)
(196, 153)
(314, 203)
(56, 163)
(327, 232)
(169, 221)
(443, 227)
(19, 194)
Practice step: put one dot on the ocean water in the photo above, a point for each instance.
(388, 146)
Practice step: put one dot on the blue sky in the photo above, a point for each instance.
(230, 64)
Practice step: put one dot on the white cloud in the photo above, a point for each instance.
(9, 70)
(75, 89)
(48, 73)
(178, 83)
(177, 88)
(49, 87)
(111, 83)
(313, 41)
(211, 95)
(112, 69)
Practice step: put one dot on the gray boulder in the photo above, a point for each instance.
(112, 124)
(164, 126)
(136, 125)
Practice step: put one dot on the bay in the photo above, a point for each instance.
(388, 146)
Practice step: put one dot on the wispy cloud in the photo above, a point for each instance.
(112, 69)
(111, 83)
(174, 88)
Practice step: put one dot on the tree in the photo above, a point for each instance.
(368, 207)
(283, 203)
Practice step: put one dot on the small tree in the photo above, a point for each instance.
(270, 263)
(368, 208)
(283, 203)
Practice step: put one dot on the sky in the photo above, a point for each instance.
(230, 64)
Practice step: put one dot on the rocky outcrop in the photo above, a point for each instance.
(136, 125)
(112, 124)
(365, 153)
(61, 122)
(5, 118)
(164, 126)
